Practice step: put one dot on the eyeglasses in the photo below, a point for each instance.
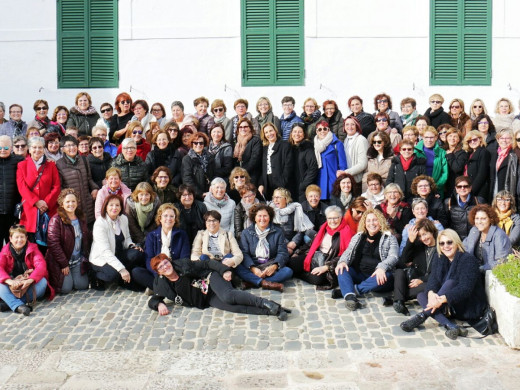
(462, 186)
(106, 110)
(505, 200)
(446, 243)
(137, 132)
(287, 105)
(218, 109)
(483, 123)
(517, 139)
(129, 148)
(156, 110)
(240, 177)
(375, 184)
(435, 102)
(20, 146)
(406, 149)
(211, 221)
(378, 142)
(4, 147)
(163, 265)
(248, 196)
(309, 106)
(473, 140)
(162, 177)
(186, 195)
(333, 218)
(382, 101)
(243, 127)
(322, 129)
(42, 108)
(382, 120)
(15, 112)
(69, 146)
(125, 102)
(198, 143)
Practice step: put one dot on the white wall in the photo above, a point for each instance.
(178, 50)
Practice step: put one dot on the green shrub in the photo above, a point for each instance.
(509, 274)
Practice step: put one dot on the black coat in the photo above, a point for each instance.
(415, 253)
(436, 210)
(366, 120)
(9, 195)
(456, 163)
(305, 169)
(171, 159)
(506, 176)
(317, 215)
(98, 168)
(478, 171)
(252, 159)
(132, 172)
(458, 216)
(194, 176)
(191, 221)
(282, 167)
(397, 174)
(438, 118)
(467, 298)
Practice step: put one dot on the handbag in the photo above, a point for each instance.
(411, 273)
(18, 208)
(487, 324)
(19, 292)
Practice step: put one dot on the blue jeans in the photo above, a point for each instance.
(279, 276)
(206, 257)
(7, 296)
(365, 283)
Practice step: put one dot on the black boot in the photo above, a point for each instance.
(275, 309)
(413, 322)
(401, 308)
(455, 331)
(23, 309)
(4, 306)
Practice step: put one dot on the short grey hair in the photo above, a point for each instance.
(99, 127)
(128, 141)
(2, 106)
(7, 139)
(35, 140)
(19, 138)
(218, 180)
(393, 187)
(418, 201)
(333, 209)
(178, 103)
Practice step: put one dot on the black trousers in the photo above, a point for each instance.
(401, 290)
(296, 264)
(225, 297)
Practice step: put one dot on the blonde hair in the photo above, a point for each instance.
(471, 134)
(380, 217)
(511, 107)
(452, 235)
(143, 187)
(285, 193)
(163, 208)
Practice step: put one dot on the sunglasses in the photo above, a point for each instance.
(358, 211)
(477, 106)
(382, 101)
(125, 102)
(137, 132)
(156, 110)
(20, 146)
(173, 129)
(4, 147)
(483, 123)
(319, 130)
(220, 109)
(442, 132)
(243, 127)
(377, 142)
(462, 186)
(42, 108)
(382, 120)
(97, 147)
(473, 140)
(444, 243)
(240, 177)
(435, 102)
(106, 110)
(198, 143)
(406, 149)
(454, 106)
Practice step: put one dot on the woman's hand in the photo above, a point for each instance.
(380, 275)
(319, 270)
(261, 189)
(27, 282)
(339, 173)
(227, 276)
(13, 283)
(415, 283)
(42, 206)
(125, 275)
(394, 131)
(434, 302)
(368, 205)
(340, 267)
(412, 233)
(162, 309)
(65, 271)
(269, 271)
(256, 272)
(94, 194)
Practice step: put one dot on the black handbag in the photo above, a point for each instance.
(411, 273)
(487, 325)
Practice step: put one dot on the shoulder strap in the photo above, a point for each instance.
(38, 178)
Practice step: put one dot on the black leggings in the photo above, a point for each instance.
(296, 264)
(401, 290)
(225, 297)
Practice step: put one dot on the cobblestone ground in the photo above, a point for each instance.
(76, 340)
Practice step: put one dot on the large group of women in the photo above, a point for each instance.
(197, 208)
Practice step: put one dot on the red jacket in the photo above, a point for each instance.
(33, 259)
(47, 189)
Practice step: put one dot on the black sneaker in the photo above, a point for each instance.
(455, 331)
(336, 293)
(352, 303)
(401, 308)
(4, 306)
(23, 309)
(413, 322)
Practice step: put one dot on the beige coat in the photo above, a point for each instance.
(382, 167)
(226, 242)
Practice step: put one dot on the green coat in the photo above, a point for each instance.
(440, 165)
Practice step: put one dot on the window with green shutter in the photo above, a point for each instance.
(272, 42)
(460, 42)
(87, 44)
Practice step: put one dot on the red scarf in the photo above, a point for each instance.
(345, 234)
(406, 164)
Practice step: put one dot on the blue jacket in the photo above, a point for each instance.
(495, 249)
(286, 123)
(179, 246)
(467, 298)
(277, 246)
(332, 159)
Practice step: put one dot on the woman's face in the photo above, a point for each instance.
(313, 197)
(420, 211)
(20, 148)
(482, 221)
(97, 150)
(240, 180)
(379, 144)
(423, 188)
(241, 109)
(426, 237)
(198, 145)
(70, 203)
(168, 219)
(381, 123)
(448, 247)
(33, 133)
(350, 127)
(455, 109)
(218, 190)
(505, 141)
(263, 107)
(107, 112)
(216, 135)
(144, 197)
(478, 108)
(5, 153)
(244, 129)
(421, 125)
(219, 112)
(279, 200)
(382, 104)
(100, 133)
(202, 109)
(357, 213)
(262, 219)
(410, 136)
(429, 139)
(162, 141)
(503, 204)
(157, 112)
(435, 104)
(309, 107)
(322, 131)
(83, 147)
(162, 180)
(139, 111)
(442, 135)
(177, 113)
(503, 107)
(474, 142)
(333, 220)
(53, 146)
(41, 110)
(83, 103)
(407, 109)
(137, 134)
(297, 135)
(114, 182)
(212, 224)
(36, 151)
(270, 134)
(329, 109)
(129, 152)
(125, 106)
(483, 126)
(393, 197)
(374, 186)
(345, 185)
(372, 224)
(249, 197)
(453, 140)
(187, 199)
(61, 116)
(463, 189)
(165, 268)
(174, 132)
(18, 240)
(15, 113)
(113, 208)
(406, 151)
(186, 138)
(355, 106)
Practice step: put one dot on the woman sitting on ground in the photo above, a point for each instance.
(415, 264)
(508, 218)
(369, 260)
(454, 284)
(17, 257)
(318, 265)
(187, 289)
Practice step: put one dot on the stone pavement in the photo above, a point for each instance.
(112, 340)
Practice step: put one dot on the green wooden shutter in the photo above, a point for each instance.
(272, 42)
(460, 42)
(88, 44)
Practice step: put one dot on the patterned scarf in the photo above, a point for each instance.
(310, 119)
(214, 148)
(502, 154)
(241, 144)
(301, 220)
(262, 248)
(43, 123)
(18, 126)
(203, 158)
(89, 111)
(392, 220)
(117, 191)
